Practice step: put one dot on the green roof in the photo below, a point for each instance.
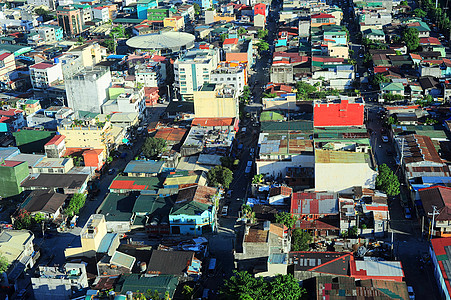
(148, 204)
(31, 101)
(342, 134)
(373, 31)
(32, 141)
(136, 282)
(128, 21)
(117, 207)
(391, 86)
(191, 208)
(287, 126)
(16, 49)
(338, 32)
(270, 116)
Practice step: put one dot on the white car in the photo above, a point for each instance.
(411, 293)
(225, 210)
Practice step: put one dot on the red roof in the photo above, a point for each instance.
(415, 56)
(10, 112)
(126, 185)
(56, 140)
(10, 163)
(322, 16)
(439, 246)
(430, 41)
(4, 55)
(171, 134)
(327, 59)
(210, 122)
(338, 114)
(41, 66)
(230, 41)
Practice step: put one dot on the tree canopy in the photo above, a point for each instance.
(197, 9)
(411, 38)
(419, 13)
(286, 219)
(380, 78)
(244, 286)
(262, 46)
(4, 264)
(22, 220)
(220, 176)
(262, 33)
(300, 240)
(304, 90)
(387, 181)
(75, 204)
(153, 147)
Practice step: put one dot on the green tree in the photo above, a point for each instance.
(262, 46)
(246, 94)
(22, 220)
(153, 147)
(188, 292)
(220, 176)
(269, 95)
(353, 231)
(352, 61)
(367, 58)
(286, 219)
(419, 13)
(430, 121)
(223, 37)
(45, 14)
(258, 178)
(4, 264)
(387, 181)
(411, 38)
(300, 240)
(241, 31)
(119, 32)
(75, 204)
(110, 45)
(389, 97)
(197, 9)
(38, 218)
(380, 78)
(392, 120)
(227, 162)
(284, 287)
(244, 286)
(304, 90)
(404, 3)
(262, 34)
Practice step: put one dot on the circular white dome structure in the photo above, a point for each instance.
(172, 40)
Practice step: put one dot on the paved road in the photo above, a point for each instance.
(408, 242)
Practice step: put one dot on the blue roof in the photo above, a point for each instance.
(115, 56)
(345, 67)
(106, 242)
(435, 179)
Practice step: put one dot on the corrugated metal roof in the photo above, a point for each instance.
(339, 157)
(123, 260)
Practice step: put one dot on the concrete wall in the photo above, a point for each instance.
(340, 177)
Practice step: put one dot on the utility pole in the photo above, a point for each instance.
(433, 214)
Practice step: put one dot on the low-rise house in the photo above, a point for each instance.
(438, 197)
(68, 183)
(118, 211)
(60, 165)
(343, 112)
(304, 265)
(283, 102)
(125, 184)
(152, 212)
(144, 168)
(193, 211)
(12, 174)
(135, 283)
(11, 119)
(259, 242)
(91, 237)
(430, 85)
(372, 269)
(125, 120)
(44, 202)
(16, 246)
(375, 35)
(440, 258)
(177, 263)
(392, 88)
(59, 282)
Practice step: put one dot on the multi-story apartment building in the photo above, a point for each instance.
(44, 75)
(87, 89)
(70, 19)
(216, 101)
(193, 69)
(232, 74)
(85, 10)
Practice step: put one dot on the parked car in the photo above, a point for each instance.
(385, 139)
(225, 210)
(407, 213)
(111, 171)
(229, 193)
(411, 293)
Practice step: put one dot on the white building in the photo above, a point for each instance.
(340, 171)
(194, 68)
(101, 13)
(148, 74)
(46, 33)
(87, 90)
(234, 76)
(131, 101)
(43, 75)
(49, 3)
(58, 283)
